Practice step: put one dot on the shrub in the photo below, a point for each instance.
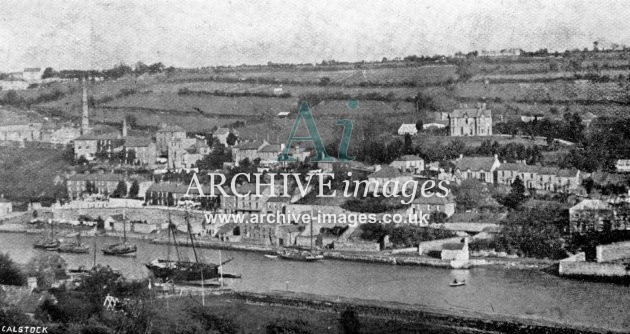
(10, 274)
(288, 326)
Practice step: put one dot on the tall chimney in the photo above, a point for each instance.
(85, 120)
(124, 128)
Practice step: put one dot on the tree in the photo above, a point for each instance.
(134, 189)
(350, 321)
(121, 190)
(48, 73)
(231, 139)
(470, 194)
(516, 195)
(47, 268)
(132, 121)
(82, 160)
(288, 326)
(130, 157)
(10, 274)
(534, 232)
(464, 70)
(408, 148)
(419, 125)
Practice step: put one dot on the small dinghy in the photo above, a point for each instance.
(456, 283)
(271, 256)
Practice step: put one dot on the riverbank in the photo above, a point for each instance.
(374, 257)
(377, 316)
(365, 257)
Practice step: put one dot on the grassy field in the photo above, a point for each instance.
(475, 141)
(29, 173)
(420, 75)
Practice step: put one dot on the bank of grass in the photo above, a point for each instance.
(427, 140)
(32, 173)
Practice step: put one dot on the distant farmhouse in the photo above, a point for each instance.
(513, 52)
(407, 129)
(471, 121)
(33, 74)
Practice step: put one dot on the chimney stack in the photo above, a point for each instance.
(85, 120)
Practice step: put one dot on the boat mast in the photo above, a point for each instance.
(94, 259)
(311, 223)
(124, 227)
(192, 241)
(168, 231)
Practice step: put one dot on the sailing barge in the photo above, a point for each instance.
(123, 247)
(49, 243)
(185, 271)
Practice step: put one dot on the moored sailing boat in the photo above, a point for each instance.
(74, 247)
(122, 248)
(48, 243)
(180, 270)
(302, 255)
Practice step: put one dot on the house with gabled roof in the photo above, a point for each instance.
(100, 183)
(539, 177)
(249, 201)
(471, 121)
(409, 163)
(144, 149)
(478, 168)
(429, 204)
(90, 145)
(597, 215)
(167, 134)
(33, 74)
(407, 129)
(389, 179)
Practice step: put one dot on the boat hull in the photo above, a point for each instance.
(179, 271)
(120, 249)
(300, 256)
(48, 245)
(74, 249)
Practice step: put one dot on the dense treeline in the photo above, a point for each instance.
(12, 98)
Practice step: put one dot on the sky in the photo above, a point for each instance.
(93, 34)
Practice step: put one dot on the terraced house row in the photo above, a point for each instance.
(491, 170)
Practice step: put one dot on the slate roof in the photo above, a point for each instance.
(453, 246)
(170, 187)
(474, 163)
(106, 136)
(538, 170)
(432, 200)
(387, 173)
(409, 157)
(172, 128)
(245, 188)
(137, 141)
(96, 177)
(250, 145)
(591, 204)
(273, 148)
(222, 131)
(470, 112)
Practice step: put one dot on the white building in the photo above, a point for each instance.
(33, 74)
(407, 128)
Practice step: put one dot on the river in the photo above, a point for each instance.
(528, 293)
